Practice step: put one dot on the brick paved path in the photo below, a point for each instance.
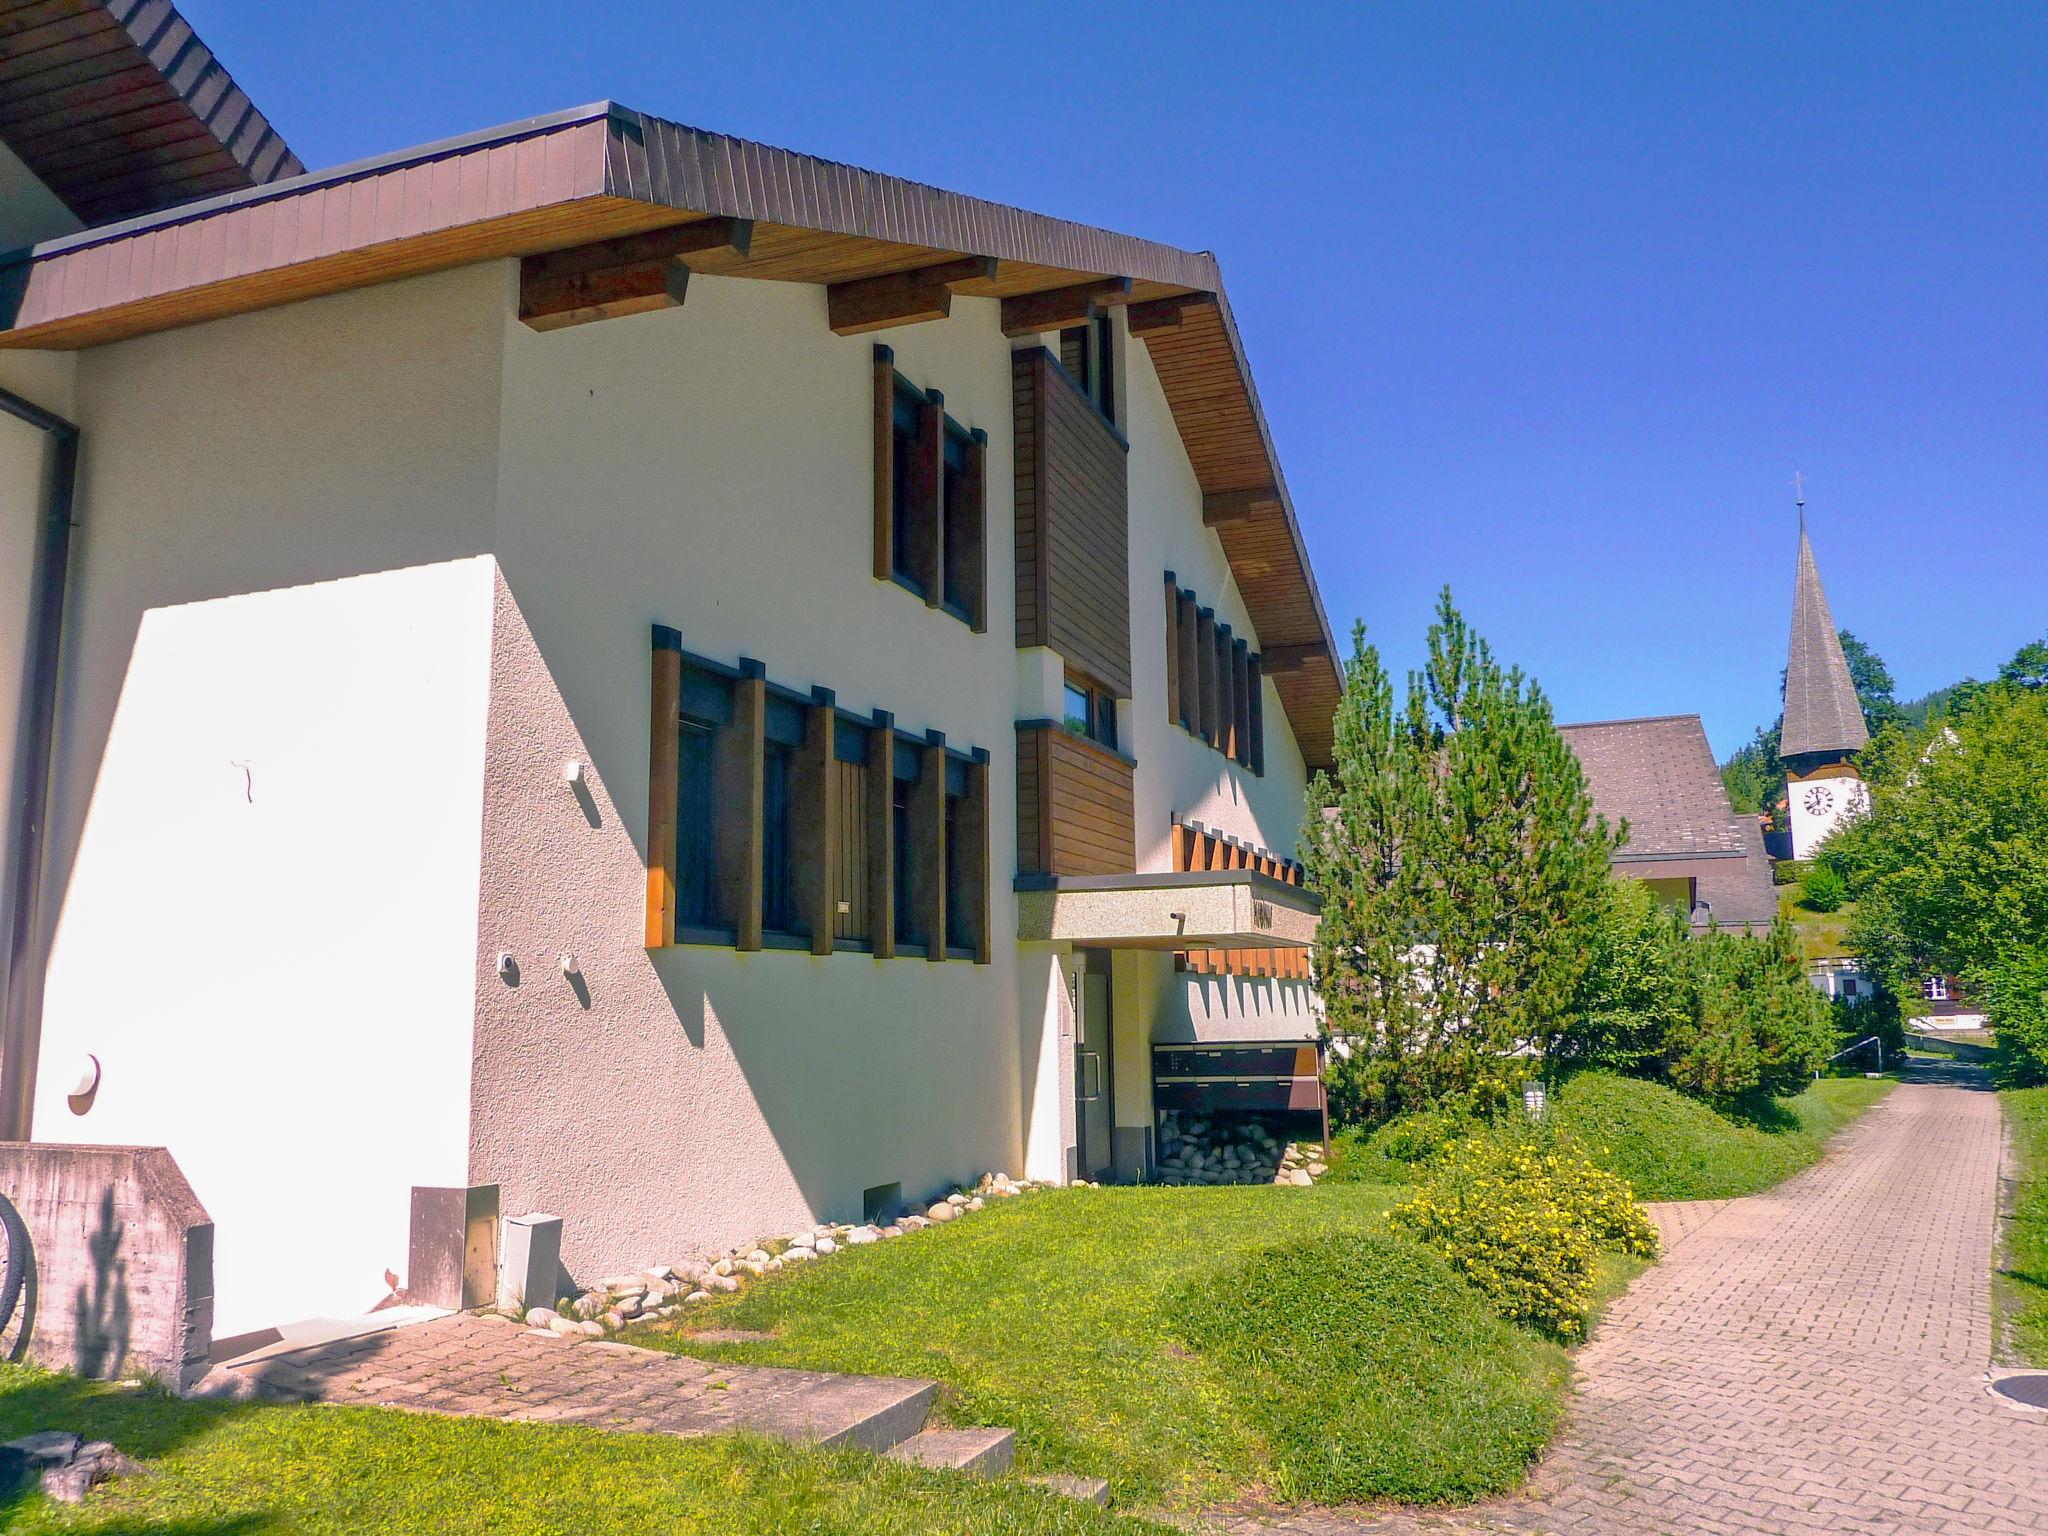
(1810, 1359)
(491, 1368)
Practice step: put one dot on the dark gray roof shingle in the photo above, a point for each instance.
(1822, 712)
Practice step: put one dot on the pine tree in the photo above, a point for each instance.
(1462, 870)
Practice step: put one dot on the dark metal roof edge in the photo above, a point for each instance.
(308, 181)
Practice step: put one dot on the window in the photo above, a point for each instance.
(1090, 712)
(778, 866)
(1214, 683)
(1935, 989)
(930, 497)
(1088, 352)
(963, 535)
(696, 821)
(777, 820)
(910, 521)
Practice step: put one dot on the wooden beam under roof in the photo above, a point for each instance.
(1155, 315)
(1281, 660)
(1054, 309)
(902, 298)
(628, 275)
(724, 238)
(1219, 507)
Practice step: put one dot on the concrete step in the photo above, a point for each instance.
(981, 1452)
(1069, 1485)
(873, 1413)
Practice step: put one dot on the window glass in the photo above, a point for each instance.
(1080, 716)
(903, 482)
(778, 865)
(962, 866)
(907, 860)
(962, 539)
(696, 829)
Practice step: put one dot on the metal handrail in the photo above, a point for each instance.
(1845, 1050)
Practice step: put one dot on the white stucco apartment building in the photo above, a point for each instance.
(702, 688)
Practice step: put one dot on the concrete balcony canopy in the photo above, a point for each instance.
(1205, 909)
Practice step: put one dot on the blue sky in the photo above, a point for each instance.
(1547, 303)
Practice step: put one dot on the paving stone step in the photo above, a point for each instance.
(1069, 1485)
(982, 1452)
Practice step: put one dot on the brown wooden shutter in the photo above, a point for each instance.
(664, 721)
(1226, 695)
(928, 844)
(817, 818)
(974, 560)
(1255, 697)
(740, 754)
(1241, 701)
(975, 829)
(1172, 649)
(885, 462)
(1190, 665)
(1205, 658)
(881, 835)
(928, 527)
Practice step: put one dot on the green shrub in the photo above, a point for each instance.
(1823, 890)
(1639, 988)
(1789, 871)
(1761, 1028)
(2014, 990)
(1372, 1371)
(1521, 1216)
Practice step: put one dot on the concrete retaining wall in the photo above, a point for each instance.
(122, 1283)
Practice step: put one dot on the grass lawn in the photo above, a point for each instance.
(240, 1470)
(1191, 1345)
(2021, 1290)
(1672, 1147)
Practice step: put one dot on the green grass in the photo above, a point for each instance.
(240, 1470)
(1822, 935)
(1667, 1145)
(1671, 1147)
(2022, 1284)
(1191, 1345)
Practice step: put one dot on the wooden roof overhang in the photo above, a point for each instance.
(120, 109)
(603, 172)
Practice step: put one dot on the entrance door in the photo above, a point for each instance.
(1092, 1075)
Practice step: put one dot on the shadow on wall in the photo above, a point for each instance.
(99, 1309)
(696, 1096)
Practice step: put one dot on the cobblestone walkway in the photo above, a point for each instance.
(1807, 1360)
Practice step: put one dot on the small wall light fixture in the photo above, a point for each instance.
(572, 774)
(570, 965)
(506, 964)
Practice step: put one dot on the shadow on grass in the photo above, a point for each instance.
(1759, 1112)
(142, 1422)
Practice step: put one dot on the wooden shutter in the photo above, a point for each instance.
(881, 835)
(1241, 702)
(741, 752)
(1255, 698)
(664, 720)
(885, 462)
(1172, 649)
(817, 822)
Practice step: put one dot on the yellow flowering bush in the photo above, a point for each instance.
(1523, 1219)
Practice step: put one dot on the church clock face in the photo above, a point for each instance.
(1819, 800)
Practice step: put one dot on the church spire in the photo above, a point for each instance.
(1822, 713)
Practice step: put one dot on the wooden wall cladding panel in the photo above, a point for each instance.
(850, 857)
(663, 724)
(1076, 810)
(1195, 848)
(1072, 525)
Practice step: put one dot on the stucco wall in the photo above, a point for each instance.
(708, 468)
(270, 790)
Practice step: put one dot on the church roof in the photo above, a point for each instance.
(1822, 712)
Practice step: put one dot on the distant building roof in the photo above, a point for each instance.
(1658, 774)
(1822, 712)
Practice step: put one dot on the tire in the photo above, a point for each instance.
(15, 1231)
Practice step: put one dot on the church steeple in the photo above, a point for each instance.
(1823, 716)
